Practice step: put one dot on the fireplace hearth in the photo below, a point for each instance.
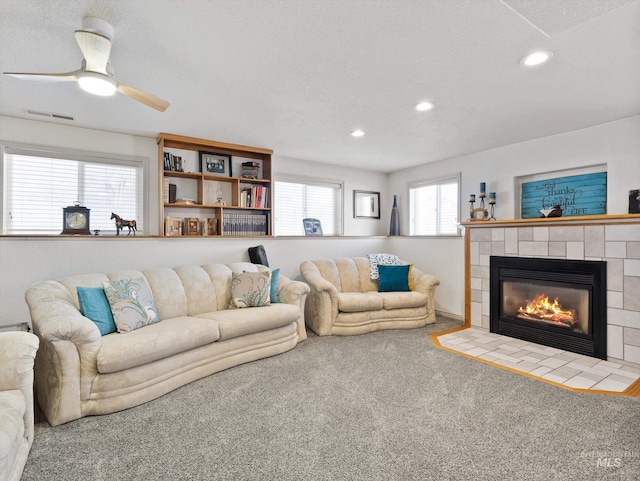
(555, 302)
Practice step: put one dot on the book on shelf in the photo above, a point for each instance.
(256, 196)
(173, 162)
(234, 224)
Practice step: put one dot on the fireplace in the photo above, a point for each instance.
(555, 302)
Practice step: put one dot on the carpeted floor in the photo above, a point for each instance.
(381, 406)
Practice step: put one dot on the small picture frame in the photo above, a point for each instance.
(366, 204)
(210, 226)
(212, 163)
(191, 226)
(634, 201)
(173, 226)
(312, 227)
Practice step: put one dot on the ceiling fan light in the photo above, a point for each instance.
(97, 84)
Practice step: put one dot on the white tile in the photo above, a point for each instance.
(610, 385)
(529, 248)
(552, 362)
(476, 314)
(594, 241)
(615, 299)
(632, 353)
(511, 241)
(615, 341)
(474, 253)
(554, 378)
(484, 260)
(497, 234)
(579, 382)
(620, 317)
(477, 284)
(567, 233)
(575, 250)
(476, 351)
(627, 232)
(615, 249)
(486, 303)
(557, 249)
(541, 234)
(615, 274)
(541, 371)
(497, 248)
(632, 267)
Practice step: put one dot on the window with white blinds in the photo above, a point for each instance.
(434, 207)
(37, 185)
(297, 199)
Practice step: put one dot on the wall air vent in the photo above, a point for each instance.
(50, 115)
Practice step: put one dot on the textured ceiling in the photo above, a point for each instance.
(297, 76)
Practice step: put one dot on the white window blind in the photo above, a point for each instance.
(37, 186)
(434, 207)
(295, 200)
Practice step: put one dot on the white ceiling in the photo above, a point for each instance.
(297, 76)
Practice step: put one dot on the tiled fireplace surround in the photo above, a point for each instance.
(615, 240)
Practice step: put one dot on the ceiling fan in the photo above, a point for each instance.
(96, 74)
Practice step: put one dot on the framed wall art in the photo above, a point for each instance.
(366, 204)
(551, 195)
(215, 164)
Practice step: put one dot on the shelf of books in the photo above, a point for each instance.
(201, 196)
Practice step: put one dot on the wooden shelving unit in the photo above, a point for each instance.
(234, 219)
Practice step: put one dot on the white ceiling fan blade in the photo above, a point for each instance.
(146, 98)
(45, 77)
(96, 49)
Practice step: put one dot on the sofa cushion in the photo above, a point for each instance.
(12, 411)
(238, 322)
(359, 301)
(95, 306)
(154, 342)
(403, 300)
(131, 303)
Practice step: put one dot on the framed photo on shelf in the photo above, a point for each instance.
(192, 226)
(215, 164)
(366, 204)
(210, 226)
(173, 226)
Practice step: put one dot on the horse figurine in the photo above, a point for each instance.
(120, 224)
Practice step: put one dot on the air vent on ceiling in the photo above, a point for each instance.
(50, 115)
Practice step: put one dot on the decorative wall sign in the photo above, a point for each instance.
(576, 195)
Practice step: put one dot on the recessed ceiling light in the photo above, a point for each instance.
(357, 133)
(424, 106)
(535, 58)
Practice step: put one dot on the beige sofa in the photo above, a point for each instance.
(17, 352)
(344, 300)
(79, 372)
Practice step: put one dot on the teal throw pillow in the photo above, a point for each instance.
(275, 285)
(95, 306)
(394, 278)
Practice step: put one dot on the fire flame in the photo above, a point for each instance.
(541, 308)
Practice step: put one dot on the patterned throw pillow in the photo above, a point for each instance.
(375, 259)
(131, 303)
(250, 289)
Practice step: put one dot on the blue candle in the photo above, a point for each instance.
(472, 198)
(492, 198)
(483, 189)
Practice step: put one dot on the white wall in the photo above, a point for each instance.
(616, 144)
(24, 261)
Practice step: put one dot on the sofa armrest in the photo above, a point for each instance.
(69, 343)
(423, 282)
(322, 304)
(17, 355)
(295, 292)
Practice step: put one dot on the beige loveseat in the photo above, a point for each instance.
(17, 352)
(80, 372)
(345, 300)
